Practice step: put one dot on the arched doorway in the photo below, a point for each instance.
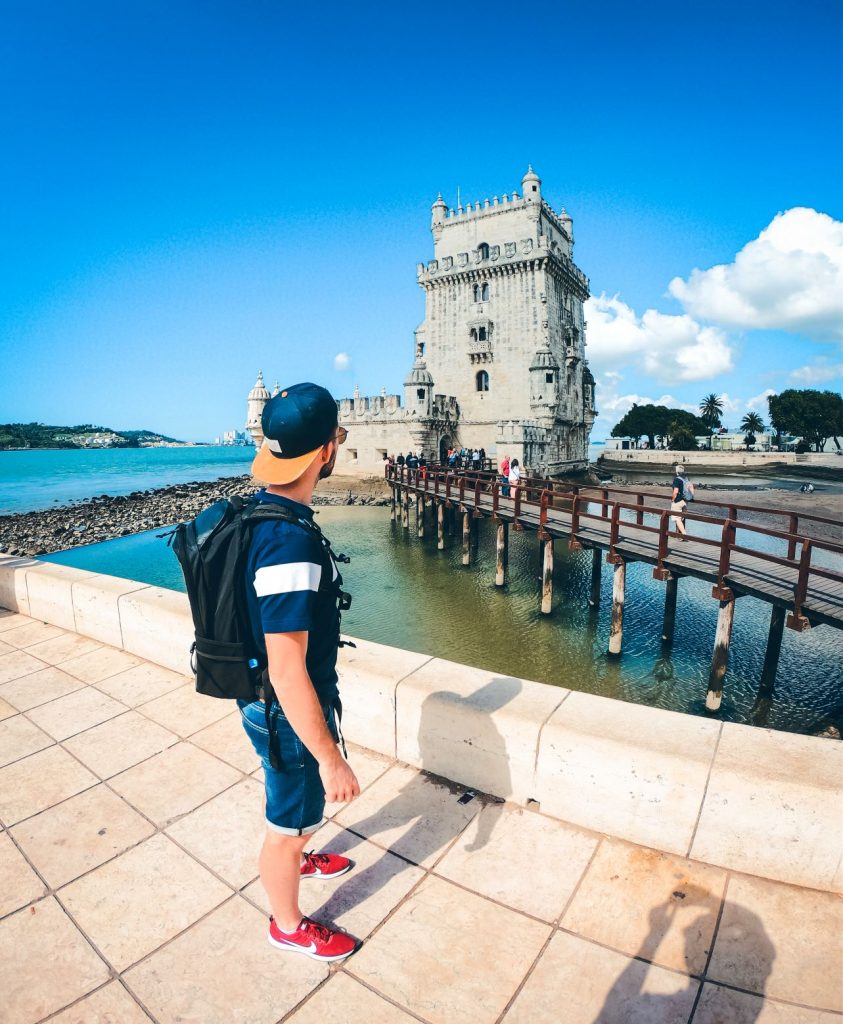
(444, 445)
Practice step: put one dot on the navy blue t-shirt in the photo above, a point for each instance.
(292, 584)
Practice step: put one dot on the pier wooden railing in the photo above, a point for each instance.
(629, 527)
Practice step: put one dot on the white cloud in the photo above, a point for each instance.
(342, 361)
(790, 278)
(758, 403)
(672, 349)
(818, 372)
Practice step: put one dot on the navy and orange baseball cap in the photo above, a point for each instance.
(297, 422)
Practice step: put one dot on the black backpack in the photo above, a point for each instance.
(212, 550)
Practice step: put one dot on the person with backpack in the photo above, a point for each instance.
(292, 590)
(683, 492)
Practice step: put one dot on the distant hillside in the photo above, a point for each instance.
(84, 435)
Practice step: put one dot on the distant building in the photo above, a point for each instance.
(500, 356)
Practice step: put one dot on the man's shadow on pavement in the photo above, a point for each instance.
(418, 805)
(750, 949)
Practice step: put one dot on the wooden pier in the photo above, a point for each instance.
(803, 584)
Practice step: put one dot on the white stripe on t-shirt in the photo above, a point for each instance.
(287, 578)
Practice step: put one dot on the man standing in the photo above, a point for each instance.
(293, 588)
(683, 489)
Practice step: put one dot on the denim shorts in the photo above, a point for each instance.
(295, 796)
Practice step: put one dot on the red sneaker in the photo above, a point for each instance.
(314, 940)
(324, 865)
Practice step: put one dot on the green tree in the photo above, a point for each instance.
(652, 421)
(711, 409)
(813, 415)
(681, 438)
(752, 424)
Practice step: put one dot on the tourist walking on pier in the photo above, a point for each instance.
(683, 492)
(514, 474)
(293, 588)
(504, 467)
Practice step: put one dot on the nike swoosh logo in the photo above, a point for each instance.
(297, 945)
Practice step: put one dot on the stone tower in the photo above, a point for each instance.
(258, 397)
(503, 331)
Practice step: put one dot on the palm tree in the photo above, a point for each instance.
(751, 424)
(710, 409)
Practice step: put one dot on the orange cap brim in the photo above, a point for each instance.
(269, 469)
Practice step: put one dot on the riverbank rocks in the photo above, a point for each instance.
(106, 517)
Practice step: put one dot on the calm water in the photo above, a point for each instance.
(38, 479)
(407, 594)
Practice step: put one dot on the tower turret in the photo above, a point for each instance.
(531, 186)
(544, 386)
(418, 390)
(258, 397)
(439, 211)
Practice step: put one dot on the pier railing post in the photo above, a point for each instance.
(796, 620)
(793, 526)
(517, 513)
(393, 489)
(727, 541)
(639, 515)
(405, 521)
(477, 513)
(720, 657)
(660, 572)
(618, 595)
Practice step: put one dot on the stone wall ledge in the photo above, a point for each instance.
(752, 800)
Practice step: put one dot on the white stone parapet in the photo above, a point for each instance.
(747, 799)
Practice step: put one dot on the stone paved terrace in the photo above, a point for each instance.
(131, 814)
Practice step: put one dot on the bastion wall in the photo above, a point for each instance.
(753, 800)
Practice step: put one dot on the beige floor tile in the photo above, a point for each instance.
(781, 941)
(226, 833)
(19, 884)
(38, 782)
(66, 840)
(138, 685)
(19, 737)
(174, 782)
(529, 862)
(648, 904)
(133, 904)
(111, 1004)
(368, 767)
(39, 688)
(6, 648)
(266, 985)
(724, 1006)
(343, 1000)
(13, 666)
(410, 814)
(227, 740)
(63, 648)
(580, 983)
(413, 961)
(120, 743)
(360, 900)
(75, 712)
(11, 620)
(184, 711)
(6, 710)
(31, 633)
(48, 964)
(98, 665)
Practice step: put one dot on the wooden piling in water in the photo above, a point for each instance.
(596, 571)
(500, 568)
(767, 687)
(392, 514)
(405, 515)
(669, 620)
(720, 658)
(547, 577)
(466, 538)
(420, 515)
(440, 526)
(618, 594)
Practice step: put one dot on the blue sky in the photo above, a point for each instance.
(190, 192)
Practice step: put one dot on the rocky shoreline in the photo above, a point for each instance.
(107, 517)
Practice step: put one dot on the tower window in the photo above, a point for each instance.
(481, 334)
(420, 394)
(473, 334)
(484, 292)
(477, 293)
(483, 249)
(548, 378)
(482, 381)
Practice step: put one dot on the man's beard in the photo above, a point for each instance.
(328, 468)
